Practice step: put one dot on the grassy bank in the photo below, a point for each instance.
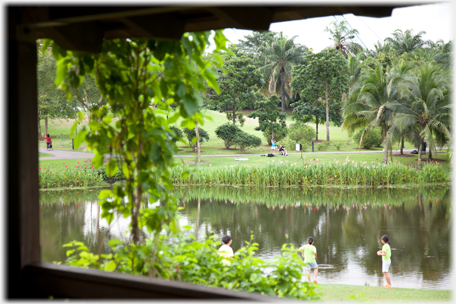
(340, 292)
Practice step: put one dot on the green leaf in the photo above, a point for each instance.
(189, 105)
(110, 266)
(69, 252)
(111, 168)
(105, 194)
(97, 160)
(125, 170)
(61, 71)
(79, 138)
(115, 242)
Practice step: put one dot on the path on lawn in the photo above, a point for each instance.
(61, 154)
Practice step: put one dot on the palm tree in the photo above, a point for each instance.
(428, 107)
(368, 103)
(278, 58)
(406, 42)
(354, 69)
(342, 35)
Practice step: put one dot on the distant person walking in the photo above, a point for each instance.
(309, 253)
(386, 259)
(48, 142)
(226, 251)
(273, 142)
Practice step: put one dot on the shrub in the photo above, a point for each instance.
(180, 257)
(227, 132)
(246, 141)
(279, 134)
(190, 134)
(372, 139)
(178, 134)
(300, 132)
(323, 146)
(338, 146)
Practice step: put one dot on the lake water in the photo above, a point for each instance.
(346, 224)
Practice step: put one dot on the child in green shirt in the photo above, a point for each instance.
(309, 253)
(386, 259)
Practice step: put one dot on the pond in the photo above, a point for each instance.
(346, 224)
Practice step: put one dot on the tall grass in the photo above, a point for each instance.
(285, 174)
(79, 176)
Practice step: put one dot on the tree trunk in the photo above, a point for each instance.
(197, 219)
(46, 126)
(198, 150)
(402, 145)
(39, 131)
(327, 109)
(272, 134)
(135, 223)
(234, 111)
(420, 149)
(283, 88)
(316, 127)
(385, 146)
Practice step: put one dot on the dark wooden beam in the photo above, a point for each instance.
(252, 18)
(62, 281)
(22, 194)
(153, 26)
(84, 37)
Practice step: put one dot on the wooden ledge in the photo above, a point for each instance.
(63, 281)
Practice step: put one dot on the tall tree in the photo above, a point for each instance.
(315, 112)
(324, 74)
(342, 37)
(252, 43)
(270, 118)
(406, 42)
(279, 58)
(238, 87)
(52, 102)
(428, 108)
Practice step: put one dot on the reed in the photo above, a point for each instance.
(311, 173)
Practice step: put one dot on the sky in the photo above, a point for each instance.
(434, 19)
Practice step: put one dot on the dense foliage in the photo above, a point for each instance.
(179, 257)
(246, 141)
(227, 132)
(191, 136)
(372, 139)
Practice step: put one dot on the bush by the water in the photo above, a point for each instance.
(190, 134)
(283, 174)
(246, 141)
(372, 139)
(181, 258)
(227, 132)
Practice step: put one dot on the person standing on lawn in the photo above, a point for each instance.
(309, 253)
(48, 142)
(386, 259)
(273, 142)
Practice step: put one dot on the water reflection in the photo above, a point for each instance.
(346, 224)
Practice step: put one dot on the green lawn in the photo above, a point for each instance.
(44, 155)
(215, 146)
(339, 292)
